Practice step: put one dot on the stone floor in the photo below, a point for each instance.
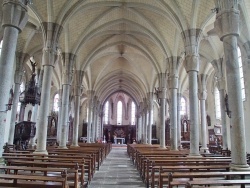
(117, 171)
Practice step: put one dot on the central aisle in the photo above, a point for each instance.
(117, 171)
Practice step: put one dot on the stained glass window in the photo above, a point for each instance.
(119, 113)
(56, 103)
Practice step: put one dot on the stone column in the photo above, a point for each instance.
(101, 117)
(150, 108)
(191, 40)
(101, 121)
(97, 120)
(227, 28)
(90, 111)
(143, 125)
(34, 117)
(139, 127)
(59, 124)
(94, 119)
(202, 79)
(173, 67)
(179, 120)
(221, 87)
(162, 96)
(14, 20)
(219, 70)
(49, 53)
(20, 59)
(68, 62)
(78, 92)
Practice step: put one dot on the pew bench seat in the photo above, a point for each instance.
(29, 181)
(209, 182)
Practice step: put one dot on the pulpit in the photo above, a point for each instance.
(24, 131)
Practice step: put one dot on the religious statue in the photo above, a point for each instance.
(33, 75)
(33, 65)
(227, 106)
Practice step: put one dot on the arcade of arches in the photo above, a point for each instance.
(128, 71)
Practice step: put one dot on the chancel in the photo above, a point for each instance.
(106, 93)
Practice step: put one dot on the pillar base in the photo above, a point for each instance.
(204, 150)
(43, 152)
(62, 147)
(74, 146)
(194, 155)
(243, 167)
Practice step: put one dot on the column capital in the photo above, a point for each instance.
(52, 34)
(191, 63)
(15, 14)
(218, 67)
(173, 67)
(68, 63)
(173, 82)
(78, 82)
(227, 21)
(162, 80)
(173, 64)
(163, 93)
(191, 38)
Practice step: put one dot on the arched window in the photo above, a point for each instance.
(1, 44)
(119, 113)
(241, 75)
(106, 113)
(133, 113)
(217, 103)
(56, 103)
(183, 109)
(22, 87)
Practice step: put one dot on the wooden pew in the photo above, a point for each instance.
(152, 163)
(209, 182)
(89, 160)
(70, 156)
(72, 174)
(35, 181)
(184, 168)
(172, 178)
(49, 165)
(52, 159)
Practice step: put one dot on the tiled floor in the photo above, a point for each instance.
(117, 171)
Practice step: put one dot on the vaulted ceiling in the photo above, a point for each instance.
(122, 45)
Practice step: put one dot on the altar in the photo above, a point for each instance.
(119, 140)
